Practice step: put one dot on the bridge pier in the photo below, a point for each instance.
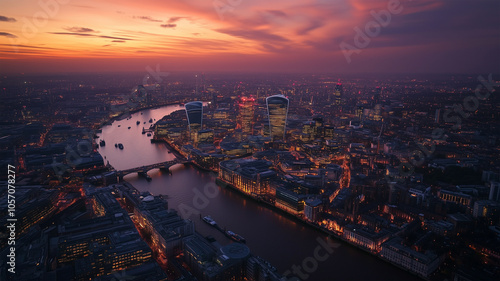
(144, 174)
(166, 169)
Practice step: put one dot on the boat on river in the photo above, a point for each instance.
(209, 220)
(235, 237)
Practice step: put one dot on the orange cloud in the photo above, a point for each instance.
(276, 34)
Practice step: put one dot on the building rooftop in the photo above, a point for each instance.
(235, 251)
(395, 245)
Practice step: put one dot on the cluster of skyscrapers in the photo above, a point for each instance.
(328, 159)
(277, 113)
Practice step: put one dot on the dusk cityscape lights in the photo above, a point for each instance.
(250, 140)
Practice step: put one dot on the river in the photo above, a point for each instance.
(271, 235)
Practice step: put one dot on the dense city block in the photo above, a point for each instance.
(403, 168)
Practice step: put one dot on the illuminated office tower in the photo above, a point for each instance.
(194, 112)
(245, 117)
(359, 111)
(277, 111)
(338, 94)
(309, 131)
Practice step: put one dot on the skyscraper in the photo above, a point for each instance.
(359, 111)
(376, 95)
(246, 114)
(338, 94)
(194, 112)
(277, 111)
(196, 90)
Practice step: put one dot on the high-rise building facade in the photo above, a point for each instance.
(338, 93)
(277, 112)
(246, 114)
(194, 112)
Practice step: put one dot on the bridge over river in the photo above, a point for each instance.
(142, 170)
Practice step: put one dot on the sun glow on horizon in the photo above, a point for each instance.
(281, 34)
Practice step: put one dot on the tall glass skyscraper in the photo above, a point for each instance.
(246, 114)
(277, 111)
(194, 112)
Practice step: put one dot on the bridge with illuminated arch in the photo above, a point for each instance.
(165, 166)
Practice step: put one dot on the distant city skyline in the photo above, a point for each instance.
(345, 36)
(158, 180)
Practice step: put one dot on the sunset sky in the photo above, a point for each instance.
(426, 36)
